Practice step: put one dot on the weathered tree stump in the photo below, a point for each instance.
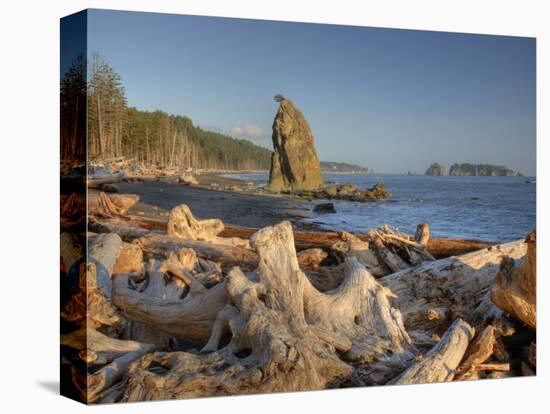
(285, 335)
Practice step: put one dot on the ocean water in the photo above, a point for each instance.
(485, 208)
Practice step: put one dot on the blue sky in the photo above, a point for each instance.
(392, 100)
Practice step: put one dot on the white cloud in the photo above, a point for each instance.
(249, 131)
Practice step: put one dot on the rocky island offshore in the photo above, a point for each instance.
(295, 168)
(482, 170)
(470, 170)
(436, 169)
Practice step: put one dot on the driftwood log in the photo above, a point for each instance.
(128, 233)
(456, 286)
(154, 245)
(110, 205)
(129, 261)
(479, 351)
(191, 317)
(441, 362)
(107, 358)
(515, 288)
(182, 223)
(98, 182)
(438, 247)
(103, 251)
(88, 306)
(285, 335)
(197, 309)
(353, 246)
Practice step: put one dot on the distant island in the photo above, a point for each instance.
(436, 169)
(466, 169)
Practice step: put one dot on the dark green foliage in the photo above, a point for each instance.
(436, 169)
(73, 111)
(481, 169)
(116, 130)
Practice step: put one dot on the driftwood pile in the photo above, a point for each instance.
(184, 312)
(105, 174)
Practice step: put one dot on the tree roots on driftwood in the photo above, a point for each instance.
(285, 335)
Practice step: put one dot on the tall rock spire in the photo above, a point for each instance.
(294, 164)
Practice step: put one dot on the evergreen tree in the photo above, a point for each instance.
(149, 138)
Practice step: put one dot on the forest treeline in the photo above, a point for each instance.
(152, 138)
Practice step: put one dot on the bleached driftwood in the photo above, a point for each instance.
(422, 235)
(125, 232)
(107, 358)
(182, 223)
(174, 267)
(326, 278)
(440, 363)
(479, 351)
(98, 182)
(353, 246)
(459, 284)
(515, 288)
(438, 247)
(98, 349)
(113, 205)
(228, 256)
(88, 306)
(393, 261)
(311, 258)
(103, 250)
(285, 335)
(129, 260)
(190, 317)
(102, 360)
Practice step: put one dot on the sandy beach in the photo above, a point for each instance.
(158, 197)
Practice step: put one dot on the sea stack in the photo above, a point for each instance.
(294, 163)
(436, 169)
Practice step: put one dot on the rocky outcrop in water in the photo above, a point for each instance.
(482, 170)
(324, 208)
(436, 169)
(347, 192)
(294, 163)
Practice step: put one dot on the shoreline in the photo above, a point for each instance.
(244, 202)
(210, 199)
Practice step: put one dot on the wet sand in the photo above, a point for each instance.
(158, 197)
